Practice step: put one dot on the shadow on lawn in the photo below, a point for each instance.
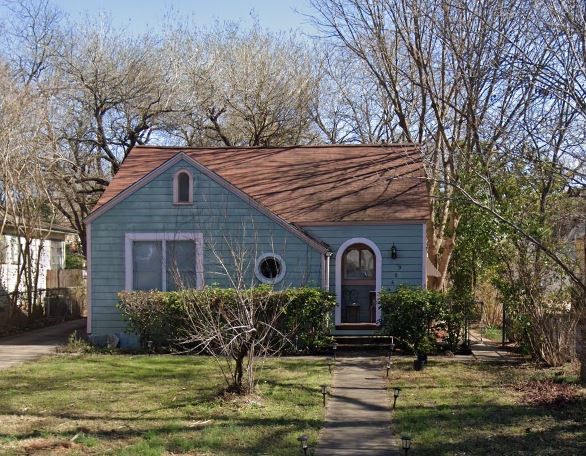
(156, 412)
(472, 424)
(269, 432)
(562, 438)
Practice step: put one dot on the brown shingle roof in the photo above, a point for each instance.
(309, 184)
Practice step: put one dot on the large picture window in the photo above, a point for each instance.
(164, 261)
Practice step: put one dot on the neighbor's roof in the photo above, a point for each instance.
(306, 184)
(9, 222)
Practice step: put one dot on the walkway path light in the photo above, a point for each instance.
(303, 439)
(396, 392)
(406, 442)
(388, 368)
(330, 362)
(334, 348)
(324, 391)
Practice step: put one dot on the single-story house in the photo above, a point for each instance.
(348, 218)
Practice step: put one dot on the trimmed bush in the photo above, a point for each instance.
(160, 317)
(415, 316)
(411, 315)
(154, 315)
(308, 316)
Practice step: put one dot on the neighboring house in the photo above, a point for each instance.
(348, 218)
(49, 242)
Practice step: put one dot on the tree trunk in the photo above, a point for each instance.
(239, 371)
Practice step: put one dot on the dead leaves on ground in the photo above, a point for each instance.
(547, 393)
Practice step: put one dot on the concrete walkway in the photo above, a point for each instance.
(489, 350)
(358, 415)
(34, 344)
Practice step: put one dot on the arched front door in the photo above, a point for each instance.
(358, 297)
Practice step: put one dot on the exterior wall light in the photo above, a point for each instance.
(393, 252)
(406, 442)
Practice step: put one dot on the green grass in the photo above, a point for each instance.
(459, 408)
(493, 333)
(155, 405)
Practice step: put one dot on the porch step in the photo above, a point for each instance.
(367, 342)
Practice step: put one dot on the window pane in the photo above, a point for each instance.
(183, 190)
(180, 265)
(270, 267)
(367, 263)
(147, 261)
(4, 250)
(56, 255)
(352, 264)
(15, 251)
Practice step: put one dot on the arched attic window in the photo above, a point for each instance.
(183, 187)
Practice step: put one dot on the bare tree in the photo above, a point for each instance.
(119, 87)
(26, 196)
(31, 38)
(109, 94)
(242, 325)
(350, 106)
(243, 88)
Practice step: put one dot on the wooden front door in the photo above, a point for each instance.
(358, 285)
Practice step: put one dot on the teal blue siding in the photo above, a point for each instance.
(406, 269)
(223, 218)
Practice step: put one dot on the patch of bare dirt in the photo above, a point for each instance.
(47, 446)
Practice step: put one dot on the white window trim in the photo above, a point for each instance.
(129, 239)
(378, 274)
(264, 279)
(176, 187)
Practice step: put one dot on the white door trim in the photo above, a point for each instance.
(378, 274)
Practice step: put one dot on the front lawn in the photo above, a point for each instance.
(473, 408)
(152, 405)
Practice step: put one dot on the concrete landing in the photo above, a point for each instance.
(34, 344)
(492, 351)
(358, 415)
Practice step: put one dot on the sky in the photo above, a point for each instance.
(141, 15)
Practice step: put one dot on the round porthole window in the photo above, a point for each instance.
(270, 268)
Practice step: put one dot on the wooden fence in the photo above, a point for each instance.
(66, 278)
